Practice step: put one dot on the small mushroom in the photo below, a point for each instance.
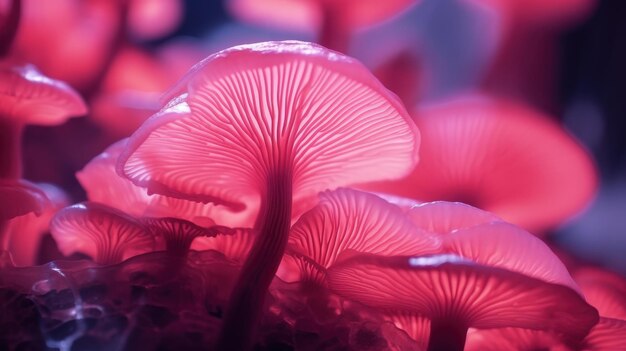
(177, 233)
(501, 157)
(269, 122)
(103, 233)
(105, 186)
(456, 293)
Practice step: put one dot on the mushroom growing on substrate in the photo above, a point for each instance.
(347, 220)
(489, 275)
(271, 123)
(27, 97)
(501, 157)
(456, 293)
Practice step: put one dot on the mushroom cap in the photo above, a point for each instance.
(506, 246)
(259, 112)
(512, 339)
(608, 335)
(443, 217)
(604, 290)
(20, 197)
(103, 233)
(25, 232)
(29, 97)
(450, 287)
(308, 14)
(234, 246)
(350, 220)
(177, 233)
(105, 186)
(501, 157)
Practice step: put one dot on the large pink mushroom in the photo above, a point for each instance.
(502, 157)
(270, 122)
(105, 186)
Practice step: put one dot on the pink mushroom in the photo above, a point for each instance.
(501, 157)
(349, 220)
(177, 233)
(603, 290)
(105, 186)
(103, 233)
(271, 122)
(333, 19)
(456, 293)
(28, 97)
(24, 233)
(467, 284)
(234, 246)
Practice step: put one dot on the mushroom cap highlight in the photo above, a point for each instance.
(308, 14)
(502, 157)
(443, 217)
(29, 97)
(350, 220)
(291, 109)
(103, 233)
(451, 287)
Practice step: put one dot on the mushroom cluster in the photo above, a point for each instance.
(280, 197)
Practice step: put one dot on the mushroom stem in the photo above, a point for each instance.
(10, 149)
(9, 30)
(334, 32)
(246, 302)
(446, 336)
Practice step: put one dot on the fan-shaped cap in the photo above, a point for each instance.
(501, 157)
(350, 220)
(177, 233)
(506, 246)
(444, 217)
(29, 97)
(309, 14)
(101, 232)
(290, 110)
(105, 186)
(446, 287)
(20, 197)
